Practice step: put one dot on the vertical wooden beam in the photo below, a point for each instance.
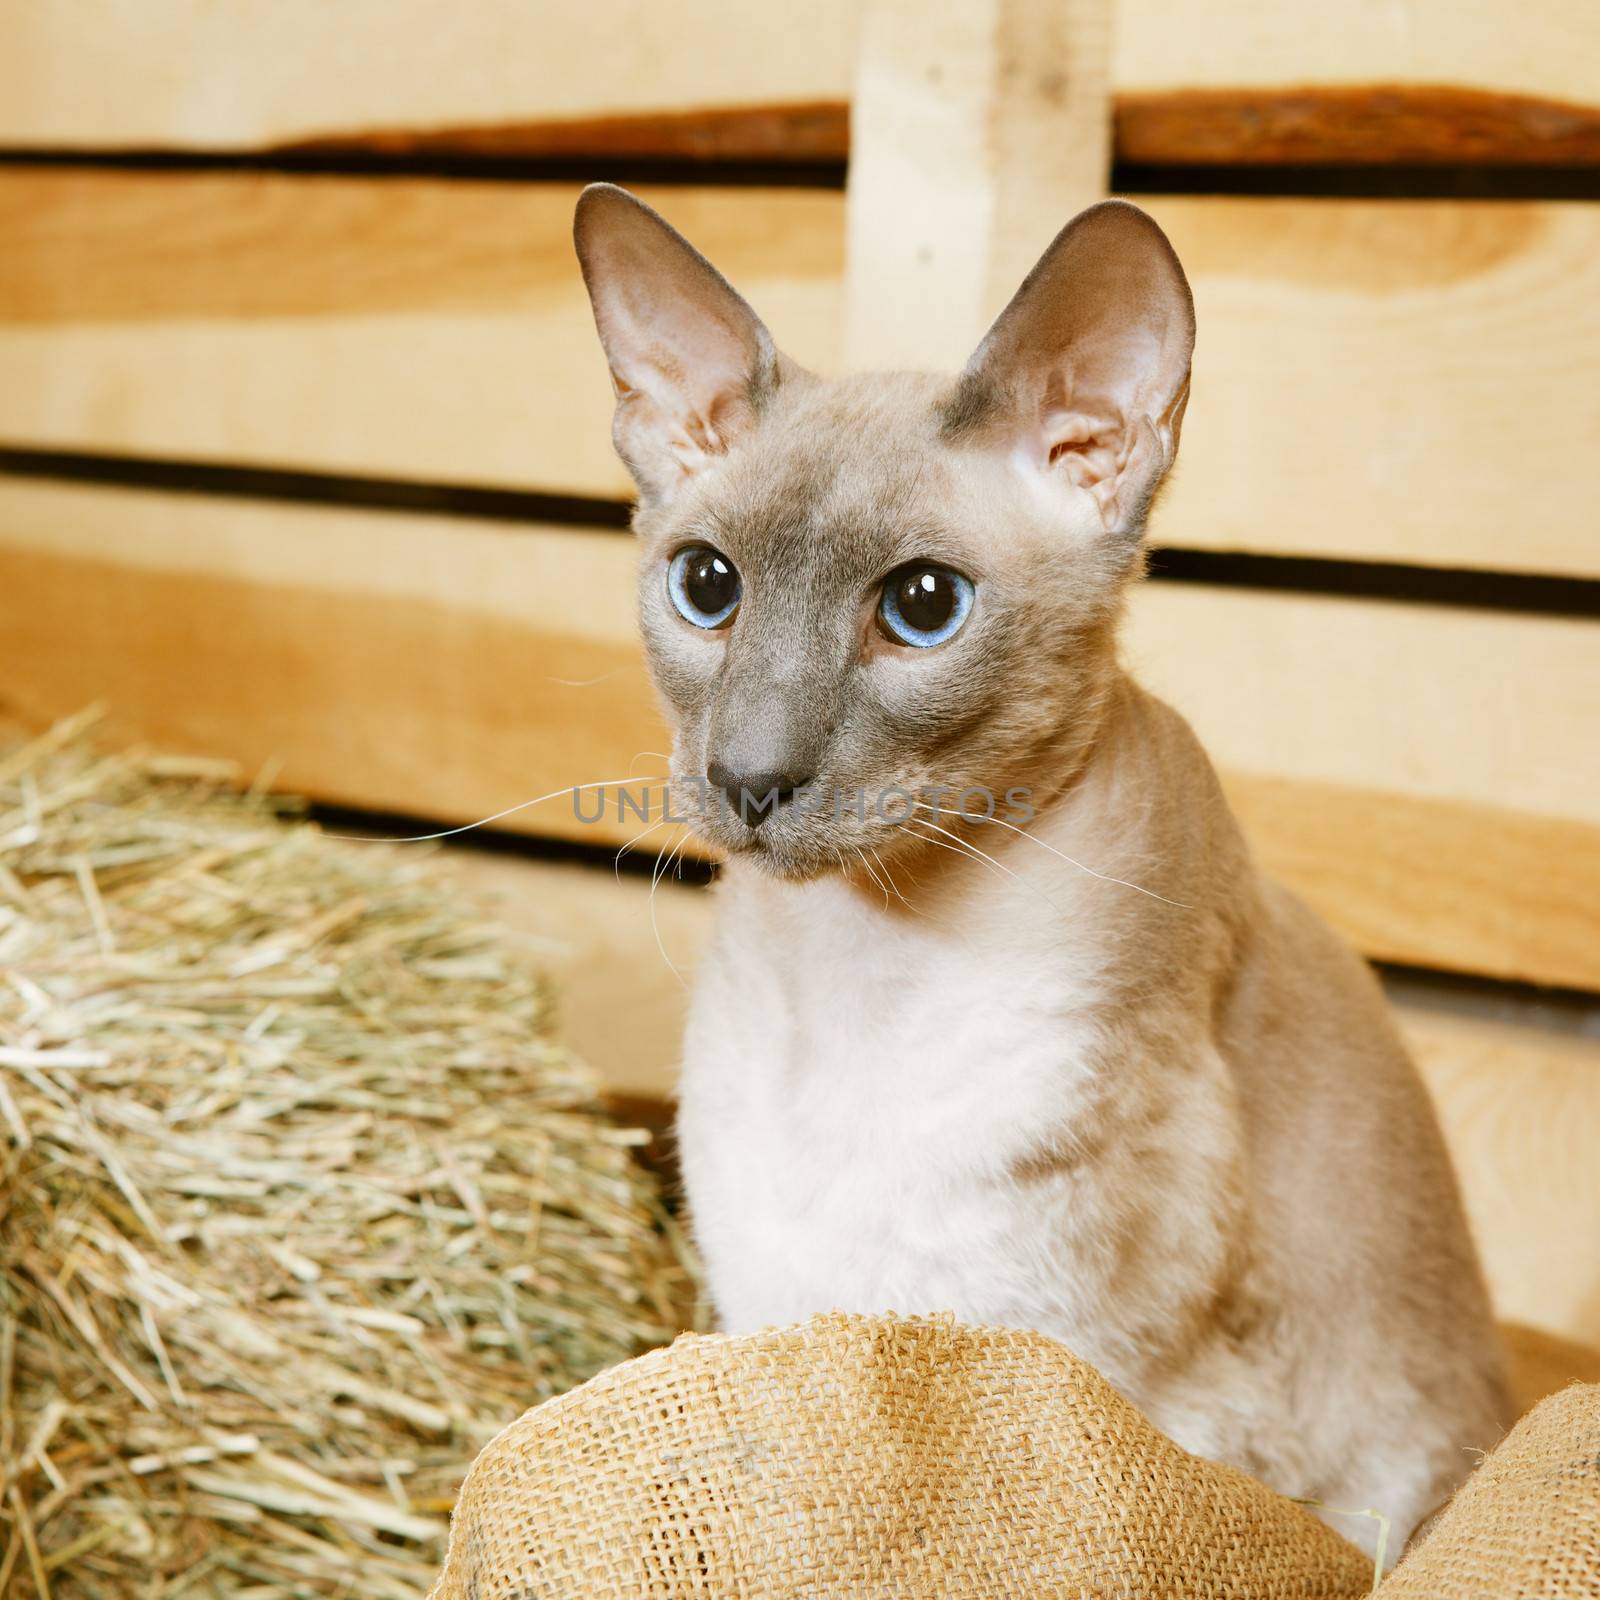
(978, 128)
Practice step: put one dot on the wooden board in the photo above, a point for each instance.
(1543, 48)
(1249, 80)
(620, 954)
(1431, 701)
(977, 127)
(412, 329)
(1381, 380)
(1428, 777)
(1434, 883)
(258, 73)
(1521, 1112)
(1361, 739)
(417, 665)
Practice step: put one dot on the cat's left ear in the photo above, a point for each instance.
(1084, 376)
(691, 363)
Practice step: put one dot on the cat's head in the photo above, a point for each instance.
(857, 593)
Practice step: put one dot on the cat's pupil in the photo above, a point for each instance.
(709, 582)
(926, 599)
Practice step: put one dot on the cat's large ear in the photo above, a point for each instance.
(690, 362)
(1085, 374)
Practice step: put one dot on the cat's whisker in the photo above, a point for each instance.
(673, 848)
(510, 811)
(939, 844)
(894, 888)
(960, 846)
(890, 876)
(580, 683)
(866, 866)
(623, 849)
(982, 855)
(1104, 877)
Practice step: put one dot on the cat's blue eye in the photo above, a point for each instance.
(924, 605)
(704, 586)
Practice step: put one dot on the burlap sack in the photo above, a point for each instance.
(869, 1456)
(862, 1456)
(1527, 1522)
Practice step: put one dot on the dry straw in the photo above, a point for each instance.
(299, 1201)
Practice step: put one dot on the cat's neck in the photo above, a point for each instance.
(1131, 841)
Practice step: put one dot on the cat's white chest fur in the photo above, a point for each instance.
(861, 1123)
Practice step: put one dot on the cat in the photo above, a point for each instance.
(1081, 1068)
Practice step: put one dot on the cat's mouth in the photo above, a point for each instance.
(794, 848)
(783, 855)
(818, 831)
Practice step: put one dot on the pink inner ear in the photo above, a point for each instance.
(1090, 450)
(689, 359)
(1086, 368)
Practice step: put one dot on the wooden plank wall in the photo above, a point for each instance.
(1379, 81)
(1383, 380)
(303, 263)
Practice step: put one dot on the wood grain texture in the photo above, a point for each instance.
(411, 665)
(712, 78)
(405, 329)
(1358, 125)
(1521, 1111)
(978, 127)
(1391, 381)
(100, 247)
(448, 669)
(1436, 702)
(817, 131)
(1449, 884)
(1543, 48)
(1367, 125)
(1359, 739)
(1381, 380)
(255, 73)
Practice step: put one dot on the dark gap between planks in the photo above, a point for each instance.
(1274, 180)
(399, 827)
(1538, 594)
(1381, 139)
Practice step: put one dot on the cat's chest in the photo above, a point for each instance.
(850, 1111)
(920, 1045)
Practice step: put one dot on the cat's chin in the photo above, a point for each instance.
(789, 860)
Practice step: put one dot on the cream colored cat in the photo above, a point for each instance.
(1088, 1070)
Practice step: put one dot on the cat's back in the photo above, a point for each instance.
(1353, 1200)
(1360, 1233)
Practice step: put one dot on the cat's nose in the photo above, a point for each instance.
(754, 796)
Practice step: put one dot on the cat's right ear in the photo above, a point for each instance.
(691, 363)
(1083, 378)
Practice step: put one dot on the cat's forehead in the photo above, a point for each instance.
(851, 460)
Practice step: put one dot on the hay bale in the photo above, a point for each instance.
(300, 1202)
